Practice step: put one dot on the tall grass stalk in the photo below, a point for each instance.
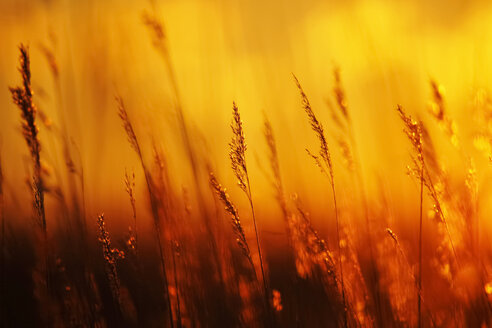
(159, 39)
(342, 104)
(154, 202)
(22, 97)
(324, 162)
(237, 155)
(413, 131)
(71, 171)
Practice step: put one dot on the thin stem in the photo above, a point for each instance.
(420, 246)
(250, 199)
(176, 286)
(192, 156)
(407, 262)
(132, 139)
(339, 254)
(358, 173)
(155, 213)
(434, 195)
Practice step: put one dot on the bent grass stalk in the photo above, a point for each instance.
(132, 139)
(237, 155)
(49, 54)
(327, 258)
(237, 228)
(324, 162)
(160, 42)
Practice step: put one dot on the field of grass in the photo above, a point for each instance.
(221, 171)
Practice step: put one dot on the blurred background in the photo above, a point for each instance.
(244, 51)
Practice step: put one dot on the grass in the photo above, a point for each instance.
(324, 162)
(22, 96)
(198, 256)
(154, 202)
(413, 131)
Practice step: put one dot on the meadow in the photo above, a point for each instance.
(208, 164)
